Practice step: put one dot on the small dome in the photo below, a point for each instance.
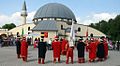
(54, 10)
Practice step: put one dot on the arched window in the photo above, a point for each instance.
(61, 27)
(18, 35)
(28, 28)
(79, 29)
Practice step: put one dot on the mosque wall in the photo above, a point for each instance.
(38, 34)
(19, 29)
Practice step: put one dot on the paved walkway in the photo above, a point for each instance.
(8, 58)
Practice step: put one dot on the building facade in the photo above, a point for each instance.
(50, 20)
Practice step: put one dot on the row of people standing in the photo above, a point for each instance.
(95, 48)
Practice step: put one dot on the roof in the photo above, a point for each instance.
(49, 25)
(54, 10)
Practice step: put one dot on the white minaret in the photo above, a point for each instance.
(24, 12)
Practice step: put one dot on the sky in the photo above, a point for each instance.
(86, 11)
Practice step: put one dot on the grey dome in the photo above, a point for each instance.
(54, 10)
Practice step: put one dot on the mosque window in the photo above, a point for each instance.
(28, 28)
(61, 27)
(45, 19)
(28, 32)
(18, 35)
(59, 19)
(70, 20)
(65, 20)
(51, 19)
(79, 29)
(39, 19)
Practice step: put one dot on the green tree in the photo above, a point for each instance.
(9, 26)
(110, 28)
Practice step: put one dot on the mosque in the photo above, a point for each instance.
(50, 20)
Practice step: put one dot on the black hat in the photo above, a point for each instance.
(81, 38)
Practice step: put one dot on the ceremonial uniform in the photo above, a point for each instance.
(69, 52)
(42, 48)
(105, 48)
(18, 47)
(92, 51)
(56, 46)
(100, 51)
(64, 42)
(81, 51)
(24, 49)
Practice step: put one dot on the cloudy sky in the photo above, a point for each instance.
(86, 11)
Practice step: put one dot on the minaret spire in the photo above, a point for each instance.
(24, 6)
(24, 12)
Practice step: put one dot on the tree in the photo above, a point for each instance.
(110, 27)
(9, 26)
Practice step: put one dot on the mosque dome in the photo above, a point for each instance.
(54, 10)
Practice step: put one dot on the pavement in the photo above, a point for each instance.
(8, 57)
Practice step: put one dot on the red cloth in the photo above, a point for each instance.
(64, 42)
(24, 47)
(69, 53)
(106, 48)
(56, 49)
(86, 48)
(92, 50)
(35, 44)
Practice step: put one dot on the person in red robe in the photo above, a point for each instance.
(69, 52)
(24, 49)
(64, 42)
(92, 50)
(56, 46)
(105, 48)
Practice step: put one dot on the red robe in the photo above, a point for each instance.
(24, 48)
(69, 51)
(92, 50)
(56, 49)
(106, 48)
(35, 44)
(64, 42)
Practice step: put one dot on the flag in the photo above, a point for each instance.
(22, 31)
(72, 35)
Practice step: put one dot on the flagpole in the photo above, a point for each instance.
(72, 35)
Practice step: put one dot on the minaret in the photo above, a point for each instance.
(24, 12)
